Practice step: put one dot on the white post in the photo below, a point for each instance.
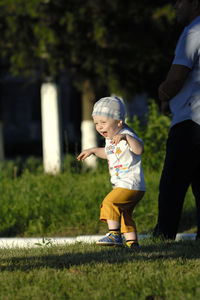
(51, 128)
(89, 140)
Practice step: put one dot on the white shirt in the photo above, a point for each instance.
(186, 104)
(124, 165)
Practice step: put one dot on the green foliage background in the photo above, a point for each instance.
(154, 134)
(125, 47)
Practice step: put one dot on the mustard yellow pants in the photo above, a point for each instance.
(118, 205)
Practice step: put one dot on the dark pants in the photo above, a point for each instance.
(181, 168)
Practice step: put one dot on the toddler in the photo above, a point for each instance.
(123, 151)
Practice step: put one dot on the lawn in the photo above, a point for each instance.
(68, 204)
(34, 204)
(156, 270)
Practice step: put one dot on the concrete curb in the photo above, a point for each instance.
(41, 242)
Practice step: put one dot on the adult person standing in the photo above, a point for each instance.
(180, 94)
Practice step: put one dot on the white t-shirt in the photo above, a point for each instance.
(186, 104)
(124, 165)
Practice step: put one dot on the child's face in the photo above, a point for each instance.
(107, 127)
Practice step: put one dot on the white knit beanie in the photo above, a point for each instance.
(110, 107)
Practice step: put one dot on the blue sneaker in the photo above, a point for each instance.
(111, 240)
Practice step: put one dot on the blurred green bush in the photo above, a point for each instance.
(154, 135)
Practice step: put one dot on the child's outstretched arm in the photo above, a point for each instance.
(99, 152)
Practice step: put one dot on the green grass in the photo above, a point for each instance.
(36, 204)
(156, 270)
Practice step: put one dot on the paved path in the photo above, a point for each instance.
(38, 242)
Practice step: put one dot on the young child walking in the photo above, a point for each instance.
(123, 151)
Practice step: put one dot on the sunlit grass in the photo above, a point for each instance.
(80, 271)
(68, 204)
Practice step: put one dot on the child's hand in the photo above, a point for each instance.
(117, 138)
(84, 154)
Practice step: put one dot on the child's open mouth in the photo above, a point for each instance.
(104, 133)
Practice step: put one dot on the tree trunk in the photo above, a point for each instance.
(51, 128)
(88, 131)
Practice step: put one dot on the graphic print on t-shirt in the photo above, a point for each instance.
(124, 165)
(118, 167)
(118, 151)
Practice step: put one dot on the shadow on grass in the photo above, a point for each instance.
(93, 254)
(188, 220)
